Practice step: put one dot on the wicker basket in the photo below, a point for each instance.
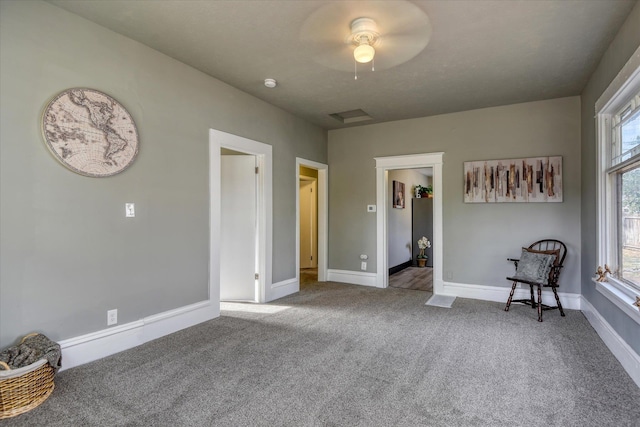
(25, 388)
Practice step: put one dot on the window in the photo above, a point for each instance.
(624, 174)
(629, 226)
(618, 124)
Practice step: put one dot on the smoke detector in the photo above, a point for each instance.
(270, 83)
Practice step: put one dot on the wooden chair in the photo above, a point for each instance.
(547, 246)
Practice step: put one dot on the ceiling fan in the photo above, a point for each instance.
(341, 34)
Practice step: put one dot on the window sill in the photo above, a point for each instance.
(620, 295)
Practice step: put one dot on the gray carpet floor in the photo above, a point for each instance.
(345, 355)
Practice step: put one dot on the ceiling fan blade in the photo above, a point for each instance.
(404, 30)
(407, 23)
(397, 50)
(332, 55)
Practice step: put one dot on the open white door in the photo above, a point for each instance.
(238, 231)
(308, 224)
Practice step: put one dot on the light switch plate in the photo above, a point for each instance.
(130, 210)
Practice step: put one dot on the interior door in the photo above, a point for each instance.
(238, 234)
(306, 224)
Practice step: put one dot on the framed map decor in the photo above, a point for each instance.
(535, 179)
(90, 133)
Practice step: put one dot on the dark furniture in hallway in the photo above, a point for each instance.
(422, 225)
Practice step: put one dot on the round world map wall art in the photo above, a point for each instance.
(90, 132)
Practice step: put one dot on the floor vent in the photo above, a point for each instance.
(352, 116)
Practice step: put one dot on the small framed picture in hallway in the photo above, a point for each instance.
(398, 195)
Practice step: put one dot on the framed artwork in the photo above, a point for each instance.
(398, 195)
(530, 180)
(90, 133)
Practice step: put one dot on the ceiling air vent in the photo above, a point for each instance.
(352, 116)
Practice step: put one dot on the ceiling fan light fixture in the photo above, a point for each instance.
(364, 34)
(364, 53)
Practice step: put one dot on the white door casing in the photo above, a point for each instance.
(384, 164)
(238, 231)
(314, 224)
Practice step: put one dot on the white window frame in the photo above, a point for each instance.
(619, 93)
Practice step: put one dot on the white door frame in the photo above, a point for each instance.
(264, 159)
(323, 215)
(383, 165)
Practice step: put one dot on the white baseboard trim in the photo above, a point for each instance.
(283, 288)
(352, 277)
(628, 358)
(501, 294)
(96, 345)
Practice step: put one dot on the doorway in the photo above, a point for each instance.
(311, 221)
(383, 166)
(410, 219)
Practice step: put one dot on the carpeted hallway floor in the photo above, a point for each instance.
(345, 355)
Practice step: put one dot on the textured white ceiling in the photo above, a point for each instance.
(481, 53)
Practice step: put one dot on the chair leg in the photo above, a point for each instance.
(513, 289)
(539, 304)
(555, 292)
(533, 301)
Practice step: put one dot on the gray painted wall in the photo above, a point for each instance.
(68, 253)
(477, 237)
(625, 43)
(399, 220)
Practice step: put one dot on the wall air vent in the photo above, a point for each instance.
(352, 116)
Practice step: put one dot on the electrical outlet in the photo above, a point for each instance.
(112, 317)
(363, 266)
(449, 275)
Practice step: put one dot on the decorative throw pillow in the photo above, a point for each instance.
(554, 252)
(535, 266)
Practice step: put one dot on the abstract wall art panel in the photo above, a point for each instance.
(535, 179)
